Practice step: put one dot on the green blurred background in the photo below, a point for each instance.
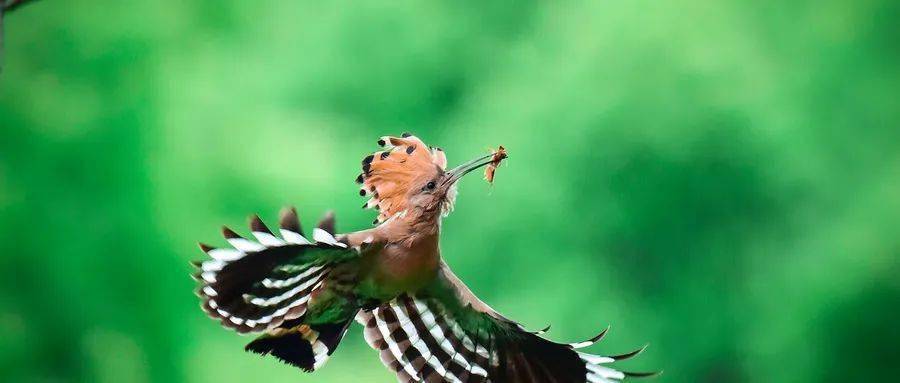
(720, 179)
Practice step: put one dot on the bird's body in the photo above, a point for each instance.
(426, 324)
(407, 261)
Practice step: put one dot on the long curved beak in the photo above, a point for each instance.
(456, 173)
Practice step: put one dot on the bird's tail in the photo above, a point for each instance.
(306, 346)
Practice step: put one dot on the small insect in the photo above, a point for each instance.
(499, 155)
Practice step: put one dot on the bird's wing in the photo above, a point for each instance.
(446, 334)
(256, 285)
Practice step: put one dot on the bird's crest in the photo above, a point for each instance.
(389, 175)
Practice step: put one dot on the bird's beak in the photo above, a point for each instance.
(456, 173)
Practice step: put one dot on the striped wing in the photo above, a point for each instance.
(444, 338)
(257, 285)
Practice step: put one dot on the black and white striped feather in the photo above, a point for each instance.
(254, 286)
(421, 341)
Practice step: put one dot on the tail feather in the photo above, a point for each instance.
(304, 346)
(291, 348)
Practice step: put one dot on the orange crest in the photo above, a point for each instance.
(390, 175)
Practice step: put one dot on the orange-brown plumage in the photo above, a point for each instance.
(391, 174)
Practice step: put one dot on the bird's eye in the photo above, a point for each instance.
(430, 185)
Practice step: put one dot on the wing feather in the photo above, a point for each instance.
(445, 334)
(257, 285)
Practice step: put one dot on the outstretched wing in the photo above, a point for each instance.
(257, 285)
(445, 334)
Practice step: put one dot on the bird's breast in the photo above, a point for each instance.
(398, 268)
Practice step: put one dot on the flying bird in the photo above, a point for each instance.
(302, 293)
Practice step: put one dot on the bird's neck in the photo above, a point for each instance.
(411, 229)
(425, 222)
(417, 227)
(414, 228)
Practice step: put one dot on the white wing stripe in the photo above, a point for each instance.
(281, 298)
(245, 245)
(419, 344)
(477, 370)
(284, 310)
(225, 255)
(469, 345)
(208, 276)
(268, 239)
(466, 341)
(605, 372)
(323, 236)
(293, 237)
(594, 378)
(392, 346)
(212, 265)
(595, 359)
(210, 291)
(279, 283)
(438, 334)
(581, 344)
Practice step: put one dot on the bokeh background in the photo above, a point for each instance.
(720, 179)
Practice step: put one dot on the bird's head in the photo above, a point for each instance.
(408, 176)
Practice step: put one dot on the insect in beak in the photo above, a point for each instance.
(491, 160)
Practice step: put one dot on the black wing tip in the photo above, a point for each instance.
(590, 342)
(289, 220)
(629, 355)
(600, 336)
(327, 222)
(206, 248)
(229, 234)
(643, 374)
(256, 224)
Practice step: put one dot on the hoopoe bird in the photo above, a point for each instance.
(302, 294)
